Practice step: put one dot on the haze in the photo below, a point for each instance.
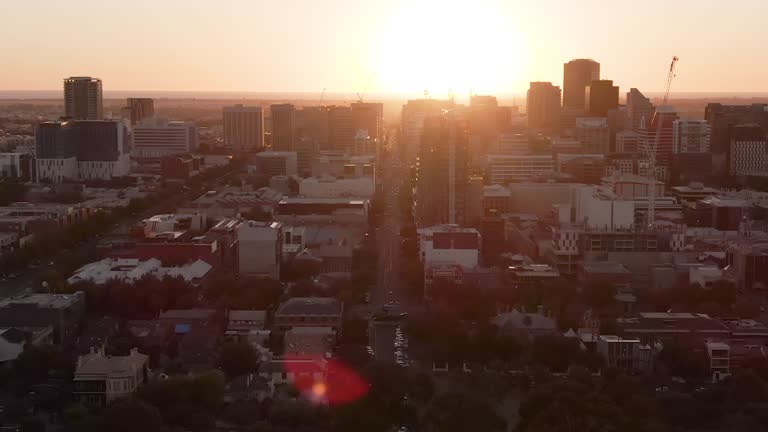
(401, 47)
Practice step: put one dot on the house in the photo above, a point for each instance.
(528, 324)
(14, 339)
(309, 312)
(100, 379)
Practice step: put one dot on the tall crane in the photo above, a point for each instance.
(651, 149)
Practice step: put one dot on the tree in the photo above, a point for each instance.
(127, 415)
(458, 412)
(238, 358)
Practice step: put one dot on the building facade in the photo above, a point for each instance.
(543, 106)
(243, 128)
(82, 98)
(577, 75)
(283, 127)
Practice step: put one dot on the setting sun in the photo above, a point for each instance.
(445, 47)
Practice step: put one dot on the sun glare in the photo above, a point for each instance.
(447, 46)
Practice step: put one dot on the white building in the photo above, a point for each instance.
(594, 135)
(507, 168)
(101, 379)
(243, 128)
(719, 355)
(11, 164)
(57, 170)
(690, 136)
(413, 127)
(329, 187)
(156, 138)
(131, 270)
(164, 223)
(449, 244)
(259, 249)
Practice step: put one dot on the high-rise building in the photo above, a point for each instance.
(140, 109)
(483, 115)
(369, 116)
(690, 136)
(593, 133)
(722, 119)
(81, 149)
(82, 98)
(601, 97)
(312, 123)
(442, 171)
(639, 110)
(577, 75)
(543, 106)
(412, 124)
(283, 127)
(243, 128)
(341, 129)
(306, 149)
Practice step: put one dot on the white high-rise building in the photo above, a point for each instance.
(690, 136)
(243, 128)
(157, 138)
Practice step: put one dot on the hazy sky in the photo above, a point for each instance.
(380, 45)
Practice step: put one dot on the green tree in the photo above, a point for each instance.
(458, 412)
(238, 358)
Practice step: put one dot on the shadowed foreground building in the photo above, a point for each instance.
(443, 174)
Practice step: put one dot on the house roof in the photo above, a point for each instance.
(247, 315)
(188, 314)
(97, 363)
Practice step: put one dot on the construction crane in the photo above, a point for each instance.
(652, 148)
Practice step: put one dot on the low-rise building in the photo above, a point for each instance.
(299, 211)
(309, 312)
(62, 312)
(330, 187)
(719, 356)
(272, 163)
(13, 341)
(131, 270)
(506, 168)
(450, 244)
(627, 354)
(100, 379)
(259, 249)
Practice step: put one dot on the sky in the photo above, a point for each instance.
(381, 46)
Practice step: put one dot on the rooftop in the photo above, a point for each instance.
(247, 315)
(310, 306)
(132, 269)
(97, 363)
(50, 301)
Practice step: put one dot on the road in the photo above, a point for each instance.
(389, 289)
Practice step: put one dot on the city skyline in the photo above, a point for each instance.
(397, 47)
